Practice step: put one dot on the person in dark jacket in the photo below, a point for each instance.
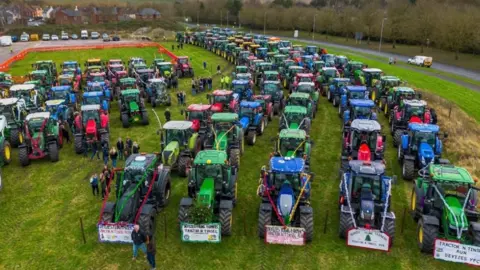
(113, 156)
(103, 184)
(135, 148)
(95, 150)
(167, 114)
(151, 250)
(94, 184)
(120, 148)
(138, 238)
(129, 144)
(105, 153)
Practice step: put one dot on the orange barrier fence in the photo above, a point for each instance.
(19, 56)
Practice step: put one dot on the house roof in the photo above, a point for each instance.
(148, 12)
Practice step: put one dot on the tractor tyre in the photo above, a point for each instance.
(234, 158)
(476, 237)
(389, 228)
(264, 219)
(413, 206)
(183, 164)
(270, 116)
(276, 109)
(346, 223)
(226, 220)
(306, 222)
(104, 138)
(153, 102)
(397, 137)
(125, 121)
(163, 195)
(78, 142)
(400, 154)
(147, 222)
(107, 217)
(183, 212)
(53, 152)
(336, 101)
(6, 152)
(145, 118)
(23, 155)
(251, 137)
(426, 235)
(16, 137)
(408, 169)
(261, 127)
(329, 96)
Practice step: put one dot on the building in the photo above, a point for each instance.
(148, 14)
(68, 16)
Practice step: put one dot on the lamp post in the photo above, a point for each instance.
(264, 22)
(313, 30)
(228, 13)
(381, 35)
(198, 15)
(221, 18)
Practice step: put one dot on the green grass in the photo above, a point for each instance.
(41, 206)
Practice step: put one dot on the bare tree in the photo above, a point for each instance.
(369, 17)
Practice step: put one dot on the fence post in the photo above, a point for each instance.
(83, 231)
(450, 111)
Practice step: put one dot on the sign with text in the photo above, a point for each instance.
(456, 252)
(285, 236)
(367, 238)
(115, 233)
(201, 233)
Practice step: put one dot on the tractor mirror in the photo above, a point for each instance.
(394, 180)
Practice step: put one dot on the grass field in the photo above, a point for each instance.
(41, 205)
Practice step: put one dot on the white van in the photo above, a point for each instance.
(5, 41)
(84, 34)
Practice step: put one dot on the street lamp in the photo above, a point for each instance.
(221, 18)
(198, 15)
(264, 22)
(228, 13)
(381, 35)
(313, 30)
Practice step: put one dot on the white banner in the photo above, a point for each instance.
(285, 236)
(210, 233)
(115, 233)
(456, 252)
(371, 239)
(295, 34)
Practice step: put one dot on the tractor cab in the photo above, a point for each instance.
(57, 109)
(242, 89)
(372, 75)
(383, 88)
(71, 65)
(267, 105)
(132, 108)
(350, 70)
(411, 111)
(293, 143)
(308, 88)
(41, 76)
(274, 89)
(278, 60)
(223, 100)
(273, 46)
(94, 62)
(115, 62)
(285, 44)
(304, 100)
(199, 115)
(327, 74)
(395, 96)
(317, 67)
(307, 62)
(96, 98)
(64, 93)
(297, 47)
(164, 69)
(240, 69)
(244, 57)
(26, 93)
(226, 135)
(341, 62)
(113, 69)
(65, 80)
(270, 76)
(50, 68)
(295, 117)
(290, 75)
(295, 56)
(92, 123)
(252, 120)
(98, 87)
(99, 77)
(183, 67)
(157, 92)
(261, 53)
(136, 61)
(302, 78)
(336, 89)
(143, 76)
(5, 81)
(359, 109)
(310, 50)
(363, 141)
(353, 92)
(329, 59)
(128, 83)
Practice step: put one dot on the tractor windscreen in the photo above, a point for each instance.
(330, 73)
(87, 115)
(133, 175)
(458, 190)
(294, 117)
(306, 79)
(65, 81)
(70, 66)
(416, 111)
(357, 95)
(298, 101)
(35, 125)
(91, 100)
(222, 126)
(173, 135)
(290, 145)
(195, 115)
(8, 112)
(37, 77)
(365, 183)
(304, 89)
(238, 88)
(183, 60)
(244, 111)
(98, 79)
(280, 178)
(362, 137)
(424, 137)
(342, 61)
(224, 99)
(130, 98)
(296, 54)
(59, 94)
(95, 88)
(209, 171)
(392, 83)
(362, 112)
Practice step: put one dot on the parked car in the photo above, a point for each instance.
(5, 41)
(34, 37)
(45, 37)
(24, 37)
(105, 37)
(419, 60)
(64, 36)
(54, 37)
(116, 38)
(95, 35)
(74, 36)
(15, 39)
(84, 34)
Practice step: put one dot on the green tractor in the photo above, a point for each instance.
(226, 135)
(308, 88)
(43, 138)
(304, 100)
(290, 74)
(444, 203)
(382, 88)
(5, 147)
(293, 143)
(395, 96)
(212, 185)
(295, 117)
(11, 120)
(372, 75)
(51, 70)
(179, 144)
(5, 81)
(132, 108)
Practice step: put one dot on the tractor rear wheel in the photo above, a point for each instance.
(389, 228)
(251, 137)
(234, 158)
(147, 222)
(306, 222)
(397, 137)
(276, 108)
(164, 193)
(78, 142)
(426, 235)
(16, 137)
(183, 214)
(261, 127)
(6, 152)
(336, 101)
(413, 206)
(346, 223)
(264, 219)
(125, 121)
(53, 152)
(145, 118)
(400, 154)
(23, 155)
(408, 169)
(183, 164)
(225, 217)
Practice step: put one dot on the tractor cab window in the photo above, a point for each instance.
(52, 109)
(35, 125)
(363, 137)
(183, 60)
(210, 171)
(364, 184)
(304, 89)
(457, 190)
(90, 115)
(356, 95)
(175, 135)
(424, 137)
(305, 79)
(95, 88)
(392, 83)
(221, 99)
(341, 61)
(222, 126)
(294, 117)
(8, 112)
(361, 112)
(270, 88)
(415, 111)
(296, 55)
(59, 94)
(65, 81)
(298, 102)
(280, 178)
(133, 175)
(238, 88)
(91, 100)
(130, 98)
(115, 69)
(290, 144)
(98, 79)
(250, 112)
(195, 115)
(69, 66)
(37, 77)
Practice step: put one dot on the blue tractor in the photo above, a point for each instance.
(336, 89)
(97, 98)
(252, 120)
(310, 50)
(65, 93)
(100, 87)
(262, 53)
(285, 192)
(359, 109)
(243, 89)
(58, 110)
(365, 199)
(420, 146)
(307, 62)
(351, 92)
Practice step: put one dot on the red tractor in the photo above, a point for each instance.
(267, 105)
(223, 100)
(183, 67)
(90, 126)
(301, 77)
(409, 111)
(199, 115)
(295, 56)
(112, 62)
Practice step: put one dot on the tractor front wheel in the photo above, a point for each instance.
(164, 192)
(276, 108)
(251, 137)
(183, 214)
(234, 158)
(261, 127)
(23, 155)
(125, 121)
(225, 217)
(346, 223)
(306, 222)
(329, 96)
(389, 228)
(400, 154)
(53, 152)
(183, 164)
(145, 118)
(79, 149)
(6, 152)
(336, 101)
(16, 137)
(264, 219)
(397, 137)
(426, 235)
(408, 169)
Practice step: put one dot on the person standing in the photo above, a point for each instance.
(174, 82)
(173, 47)
(227, 82)
(218, 69)
(151, 250)
(184, 98)
(181, 45)
(204, 65)
(103, 183)
(94, 184)
(222, 82)
(135, 148)
(179, 98)
(209, 81)
(65, 133)
(105, 153)
(138, 238)
(121, 148)
(167, 115)
(129, 146)
(193, 86)
(113, 156)
(95, 151)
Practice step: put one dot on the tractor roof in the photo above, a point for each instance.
(22, 87)
(163, 63)
(97, 74)
(8, 101)
(423, 127)
(295, 109)
(299, 95)
(319, 62)
(270, 72)
(365, 125)
(130, 92)
(311, 46)
(305, 75)
(222, 92)
(128, 79)
(372, 70)
(65, 76)
(54, 102)
(39, 71)
(415, 102)
(93, 60)
(156, 80)
(362, 102)
(287, 165)
(403, 89)
(38, 115)
(139, 161)
(243, 75)
(178, 125)
(307, 56)
(364, 167)
(249, 104)
(210, 157)
(390, 78)
(145, 70)
(241, 67)
(295, 67)
(341, 79)
(279, 56)
(224, 117)
(44, 62)
(271, 82)
(265, 63)
(70, 62)
(356, 88)
(90, 107)
(293, 133)
(93, 94)
(306, 83)
(116, 65)
(450, 173)
(61, 88)
(261, 97)
(241, 82)
(341, 56)
(115, 60)
(198, 107)
(329, 68)
(95, 84)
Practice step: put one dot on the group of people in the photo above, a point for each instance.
(201, 84)
(225, 81)
(181, 98)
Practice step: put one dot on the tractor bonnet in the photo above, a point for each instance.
(362, 102)
(22, 87)
(356, 88)
(210, 157)
(287, 165)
